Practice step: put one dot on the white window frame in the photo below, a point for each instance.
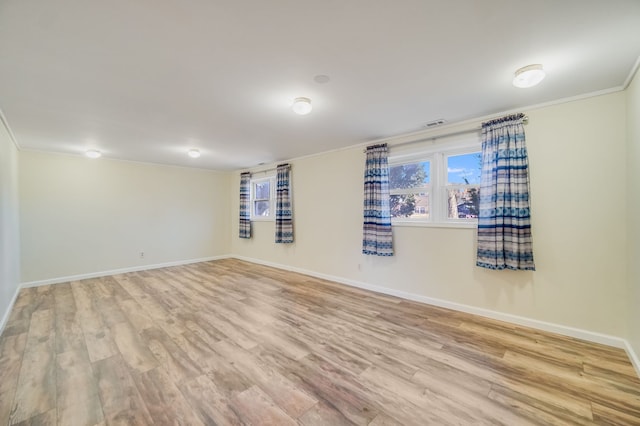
(437, 154)
(446, 186)
(428, 187)
(272, 198)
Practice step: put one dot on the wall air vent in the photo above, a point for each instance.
(435, 123)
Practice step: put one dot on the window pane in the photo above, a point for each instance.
(414, 206)
(464, 169)
(464, 203)
(262, 190)
(261, 208)
(409, 175)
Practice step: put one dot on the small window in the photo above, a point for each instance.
(262, 198)
(463, 185)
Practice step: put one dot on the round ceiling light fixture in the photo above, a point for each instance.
(193, 153)
(301, 106)
(93, 153)
(528, 76)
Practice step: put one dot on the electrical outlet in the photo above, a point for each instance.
(141, 255)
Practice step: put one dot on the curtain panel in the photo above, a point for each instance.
(377, 235)
(284, 212)
(504, 222)
(245, 205)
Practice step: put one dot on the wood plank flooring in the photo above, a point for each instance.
(234, 343)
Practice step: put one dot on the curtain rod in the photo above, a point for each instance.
(525, 120)
(269, 169)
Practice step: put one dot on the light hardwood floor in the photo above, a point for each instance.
(229, 342)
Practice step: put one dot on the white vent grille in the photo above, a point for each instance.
(435, 123)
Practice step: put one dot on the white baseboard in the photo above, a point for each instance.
(5, 317)
(118, 271)
(514, 319)
(633, 356)
(500, 316)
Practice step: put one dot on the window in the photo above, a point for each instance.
(463, 185)
(409, 188)
(263, 198)
(437, 186)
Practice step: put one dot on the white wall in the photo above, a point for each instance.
(633, 207)
(9, 223)
(578, 191)
(82, 216)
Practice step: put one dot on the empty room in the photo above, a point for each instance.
(362, 212)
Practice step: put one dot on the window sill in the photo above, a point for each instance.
(458, 225)
(262, 219)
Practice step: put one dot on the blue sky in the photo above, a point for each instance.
(464, 166)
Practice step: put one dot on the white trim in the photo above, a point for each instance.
(436, 133)
(118, 271)
(438, 186)
(5, 317)
(633, 356)
(5, 123)
(473, 122)
(632, 73)
(271, 178)
(590, 336)
(514, 319)
(451, 224)
(7, 313)
(137, 162)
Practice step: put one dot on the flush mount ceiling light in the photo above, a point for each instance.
(93, 153)
(193, 153)
(301, 106)
(528, 76)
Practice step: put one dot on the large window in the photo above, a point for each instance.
(436, 186)
(263, 198)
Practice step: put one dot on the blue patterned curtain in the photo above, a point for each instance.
(377, 236)
(504, 223)
(245, 207)
(284, 213)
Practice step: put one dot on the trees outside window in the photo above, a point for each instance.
(409, 187)
(438, 187)
(262, 198)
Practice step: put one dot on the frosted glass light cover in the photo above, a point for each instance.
(529, 76)
(302, 106)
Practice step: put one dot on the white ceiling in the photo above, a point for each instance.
(147, 80)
